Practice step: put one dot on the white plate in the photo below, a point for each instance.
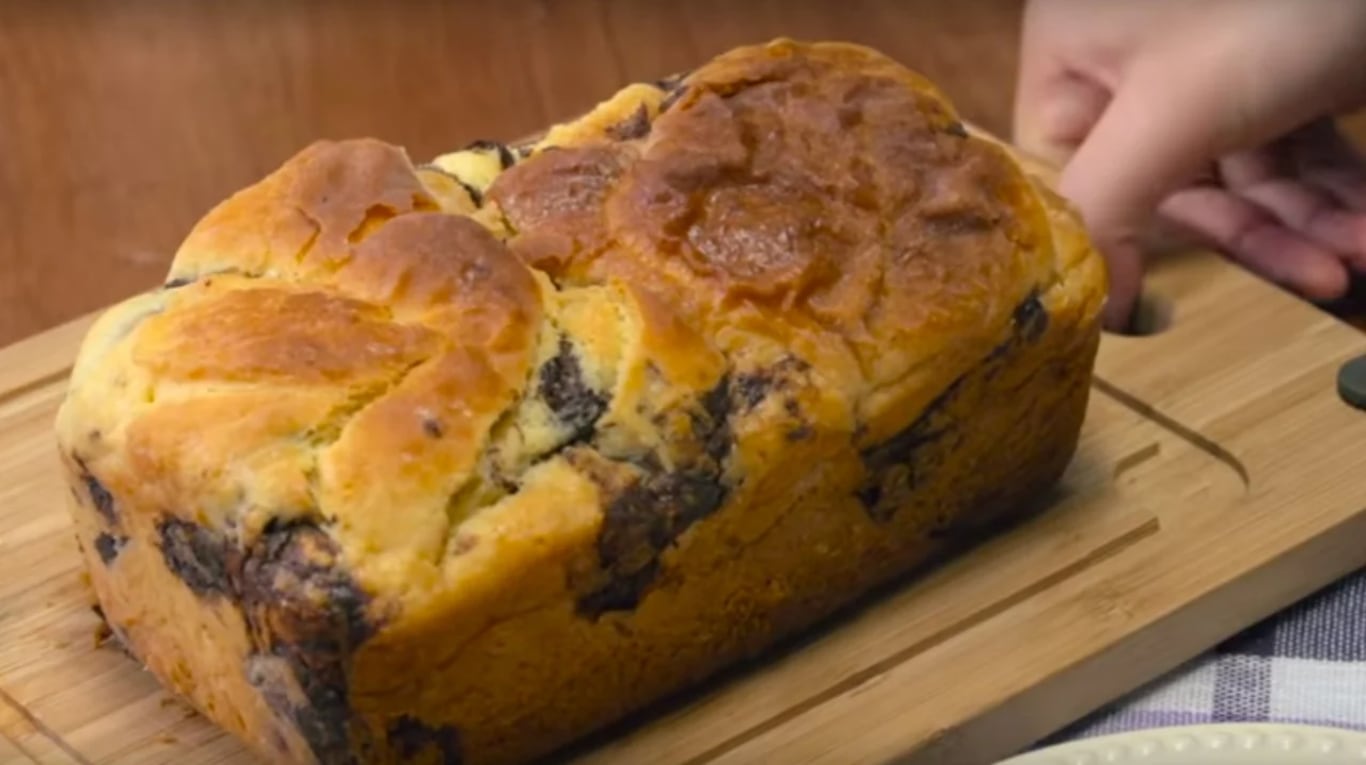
(1230, 744)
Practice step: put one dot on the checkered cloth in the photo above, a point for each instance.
(1306, 665)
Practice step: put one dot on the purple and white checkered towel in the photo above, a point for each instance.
(1306, 665)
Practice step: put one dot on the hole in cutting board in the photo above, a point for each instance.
(1153, 315)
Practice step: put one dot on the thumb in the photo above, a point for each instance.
(1054, 112)
(1155, 135)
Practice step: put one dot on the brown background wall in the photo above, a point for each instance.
(122, 122)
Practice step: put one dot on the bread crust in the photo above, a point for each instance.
(459, 462)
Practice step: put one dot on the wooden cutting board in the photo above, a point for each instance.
(1219, 478)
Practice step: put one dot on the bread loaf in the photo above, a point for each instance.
(457, 462)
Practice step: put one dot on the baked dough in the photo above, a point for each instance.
(459, 462)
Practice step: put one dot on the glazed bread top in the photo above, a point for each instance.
(407, 355)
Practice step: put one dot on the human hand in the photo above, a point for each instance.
(1213, 116)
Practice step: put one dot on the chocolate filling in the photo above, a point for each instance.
(719, 439)
(672, 96)
(476, 195)
(893, 465)
(635, 126)
(411, 738)
(109, 546)
(1031, 319)
(505, 156)
(565, 391)
(198, 556)
(431, 427)
(304, 609)
(638, 525)
(656, 506)
(99, 496)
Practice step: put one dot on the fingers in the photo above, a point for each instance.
(1326, 160)
(1346, 185)
(1055, 112)
(1258, 240)
(1055, 105)
(1138, 119)
(1124, 260)
(1151, 139)
(1313, 214)
(1242, 169)
(1298, 202)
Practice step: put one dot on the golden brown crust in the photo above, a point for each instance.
(820, 187)
(277, 335)
(469, 459)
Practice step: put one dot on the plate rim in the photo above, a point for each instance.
(1207, 742)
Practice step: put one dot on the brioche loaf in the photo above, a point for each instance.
(457, 462)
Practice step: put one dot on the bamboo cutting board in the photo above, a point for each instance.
(1219, 478)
